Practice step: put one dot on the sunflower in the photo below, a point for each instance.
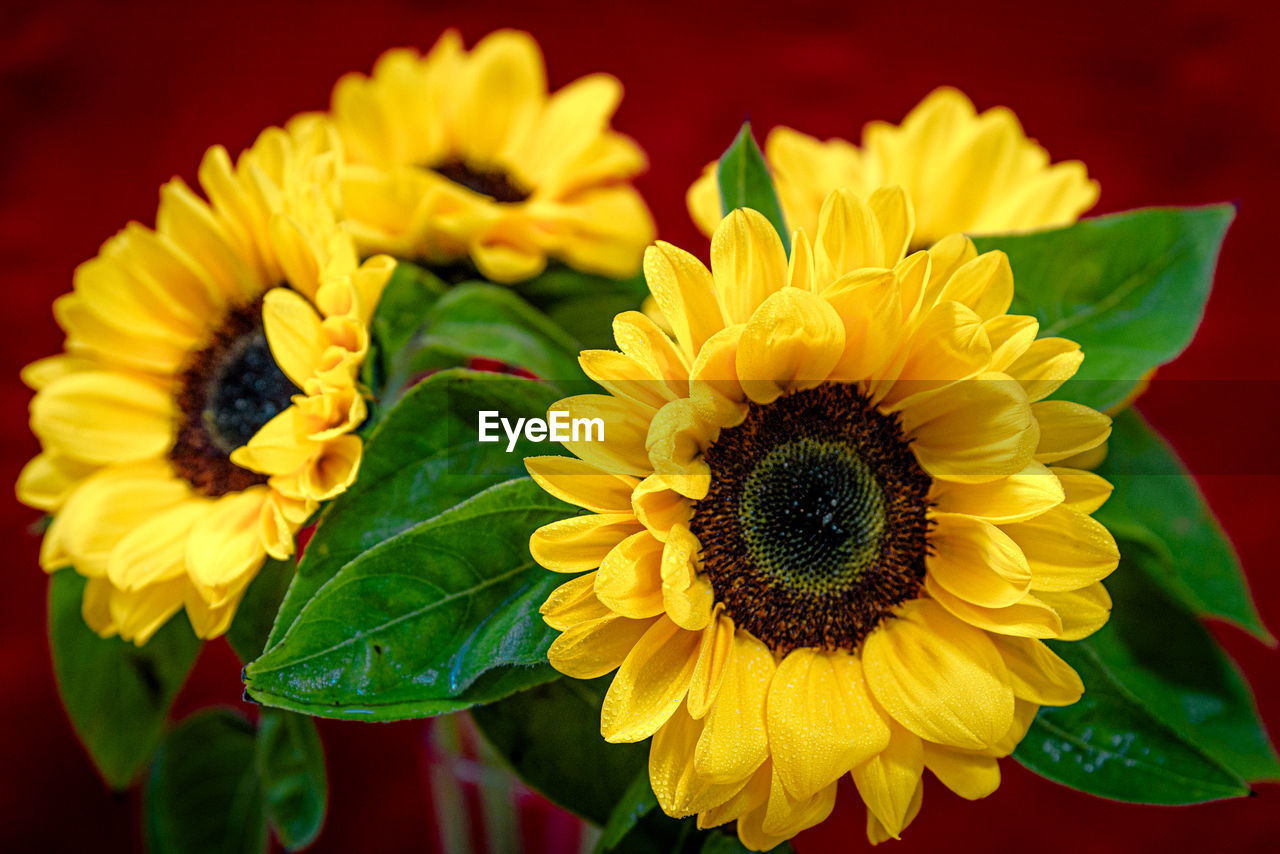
(205, 400)
(825, 532)
(964, 172)
(461, 157)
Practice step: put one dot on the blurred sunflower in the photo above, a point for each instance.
(964, 172)
(205, 400)
(461, 157)
(826, 535)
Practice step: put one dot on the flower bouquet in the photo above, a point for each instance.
(406, 401)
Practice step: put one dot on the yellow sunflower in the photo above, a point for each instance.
(826, 535)
(963, 172)
(205, 400)
(462, 156)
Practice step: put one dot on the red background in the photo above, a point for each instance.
(1168, 103)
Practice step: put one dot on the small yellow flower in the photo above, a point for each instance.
(826, 532)
(205, 401)
(461, 156)
(964, 172)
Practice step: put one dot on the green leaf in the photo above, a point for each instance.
(1159, 653)
(636, 802)
(203, 796)
(1129, 288)
(744, 181)
(408, 297)
(1108, 744)
(408, 628)
(257, 610)
(421, 460)
(116, 694)
(477, 319)
(1156, 503)
(290, 766)
(584, 304)
(550, 736)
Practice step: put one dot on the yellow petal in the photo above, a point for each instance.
(939, 677)
(48, 478)
(848, 237)
(1067, 429)
(785, 815)
(580, 543)
(713, 387)
(659, 507)
(1045, 365)
(1028, 617)
(821, 719)
(1037, 673)
(501, 91)
(1066, 549)
(715, 658)
(791, 342)
(294, 333)
(333, 469)
(138, 614)
(747, 263)
(984, 284)
(106, 507)
(679, 790)
(888, 781)
(1084, 491)
(1083, 611)
(979, 429)
(976, 561)
(893, 210)
(968, 775)
(676, 441)
(156, 550)
(572, 603)
(869, 304)
(877, 833)
(642, 339)
(1015, 498)
(582, 484)
(225, 546)
(686, 592)
(280, 446)
(685, 293)
(651, 683)
(103, 417)
(735, 740)
(630, 578)
(624, 425)
(596, 647)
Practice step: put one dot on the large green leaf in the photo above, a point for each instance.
(116, 694)
(1109, 744)
(203, 796)
(1161, 655)
(478, 319)
(550, 736)
(408, 628)
(1129, 288)
(1156, 503)
(290, 766)
(421, 460)
(743, 176)
(584, 304)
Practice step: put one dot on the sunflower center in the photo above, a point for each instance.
(815, 526)
(229, 390)
(497, 184)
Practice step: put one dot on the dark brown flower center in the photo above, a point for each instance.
(229, 390)
(815, 526)
(497, 184)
